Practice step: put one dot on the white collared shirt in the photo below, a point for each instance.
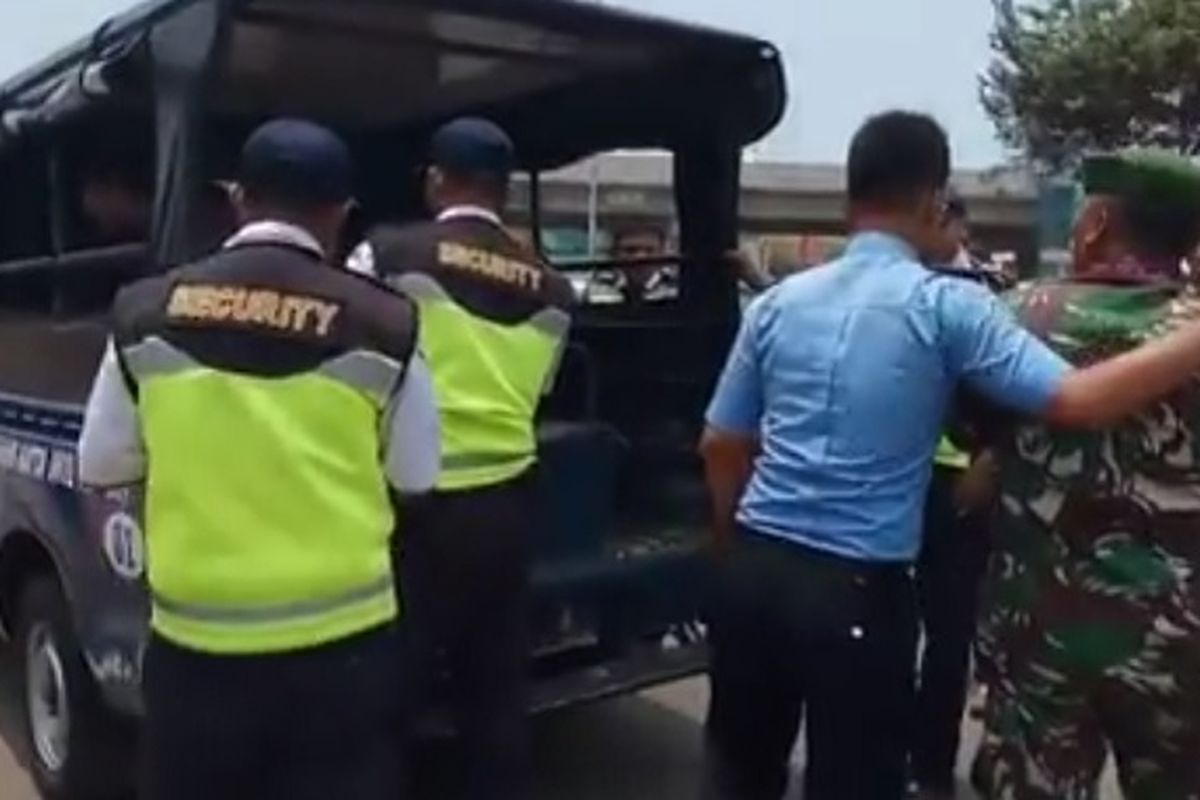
(271, 231)
(470, 212)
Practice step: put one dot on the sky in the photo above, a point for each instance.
(845, 60)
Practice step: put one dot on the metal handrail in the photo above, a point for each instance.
(116, 257)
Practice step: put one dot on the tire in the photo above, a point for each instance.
(77, 749)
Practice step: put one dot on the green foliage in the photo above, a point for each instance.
(1073, 76)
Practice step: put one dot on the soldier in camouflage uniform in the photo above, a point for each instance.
(1091, 640)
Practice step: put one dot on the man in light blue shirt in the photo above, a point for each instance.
(846, 370)
(818, 455)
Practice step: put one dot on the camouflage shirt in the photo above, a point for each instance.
(1098, 536)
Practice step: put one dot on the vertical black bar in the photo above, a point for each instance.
(184, 48)
(535, 211)
(57, 198)
(707, 175)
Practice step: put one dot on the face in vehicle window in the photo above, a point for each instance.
(644, 282)
(116, 208)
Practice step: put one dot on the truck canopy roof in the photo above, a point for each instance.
(566, 78)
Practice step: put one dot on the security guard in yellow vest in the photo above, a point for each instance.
(493, 323)
(954, 551)
(949, 572)
(270, 402)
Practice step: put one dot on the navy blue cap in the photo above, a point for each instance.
(470, 145)
(299, 161)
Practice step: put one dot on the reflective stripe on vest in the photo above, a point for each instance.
(489, 378)
(464, 460)
(287, 612)
(371, 373)
(267, 516)
(221, 629)
(949, 456)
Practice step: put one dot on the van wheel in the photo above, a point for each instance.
(77, 749)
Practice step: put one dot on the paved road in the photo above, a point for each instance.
(640, 748)
(12, 780)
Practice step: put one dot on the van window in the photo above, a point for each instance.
(26, 239)
(77, 210)
(105, 183)
(24, 201)
(611, 222)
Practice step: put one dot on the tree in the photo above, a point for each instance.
(1072, 76)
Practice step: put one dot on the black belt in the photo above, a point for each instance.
(860, 571)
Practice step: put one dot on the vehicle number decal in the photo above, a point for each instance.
(123, 546)
(53, 464)
(113, 667)
(32, 460)
(8, 452)
(62, 468)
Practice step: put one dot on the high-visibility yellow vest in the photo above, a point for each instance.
(493, 320)
(488, 378)
(268, 517)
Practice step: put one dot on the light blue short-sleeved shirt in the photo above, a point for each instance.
(844, 372)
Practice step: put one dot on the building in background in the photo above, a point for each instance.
(792, 215)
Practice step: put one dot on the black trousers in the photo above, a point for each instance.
(465, 564)
(949, 574)
(797, 633)
(309, 725)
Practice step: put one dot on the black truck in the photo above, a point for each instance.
(165, 92)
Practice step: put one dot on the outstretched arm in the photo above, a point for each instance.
(1012, 367)
(1100, 395)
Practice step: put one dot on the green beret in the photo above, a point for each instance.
(1144, 175)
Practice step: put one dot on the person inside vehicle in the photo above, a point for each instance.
(643, 283)
(116, 202)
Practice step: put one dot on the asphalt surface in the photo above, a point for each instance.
(637, 748)
(640, 748)
(13, 783)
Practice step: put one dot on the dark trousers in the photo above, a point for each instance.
(465, 585)
(801, 634)
(949, 573)
(309, 725)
